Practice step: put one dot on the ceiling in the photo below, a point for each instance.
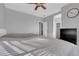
(29, 8)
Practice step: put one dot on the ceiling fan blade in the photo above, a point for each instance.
(42, 3)
(43, 6)
(31, 3)
(36, 7)
(35, 3)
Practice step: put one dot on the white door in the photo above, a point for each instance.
(45, 29)
(58, 30)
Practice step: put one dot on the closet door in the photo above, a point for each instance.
(57, 30)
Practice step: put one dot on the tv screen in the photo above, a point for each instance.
(69, 34)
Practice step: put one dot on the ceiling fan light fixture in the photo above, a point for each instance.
(39, 5)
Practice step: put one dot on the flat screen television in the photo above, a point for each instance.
(69, 34)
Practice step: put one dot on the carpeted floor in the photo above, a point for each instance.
(36, 46)
(31, 47)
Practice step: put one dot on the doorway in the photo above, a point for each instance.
(40, 28)
(43, 28)
(58, 30)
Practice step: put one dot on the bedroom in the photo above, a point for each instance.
(28, 32)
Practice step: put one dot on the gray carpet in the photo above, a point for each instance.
(36, 46)
(31, 47)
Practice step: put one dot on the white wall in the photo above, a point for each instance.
(18, 22)
(49, 21)
(2, 14)
(70, 22)
(51, 24)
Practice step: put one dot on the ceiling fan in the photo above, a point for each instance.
(38, 5)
